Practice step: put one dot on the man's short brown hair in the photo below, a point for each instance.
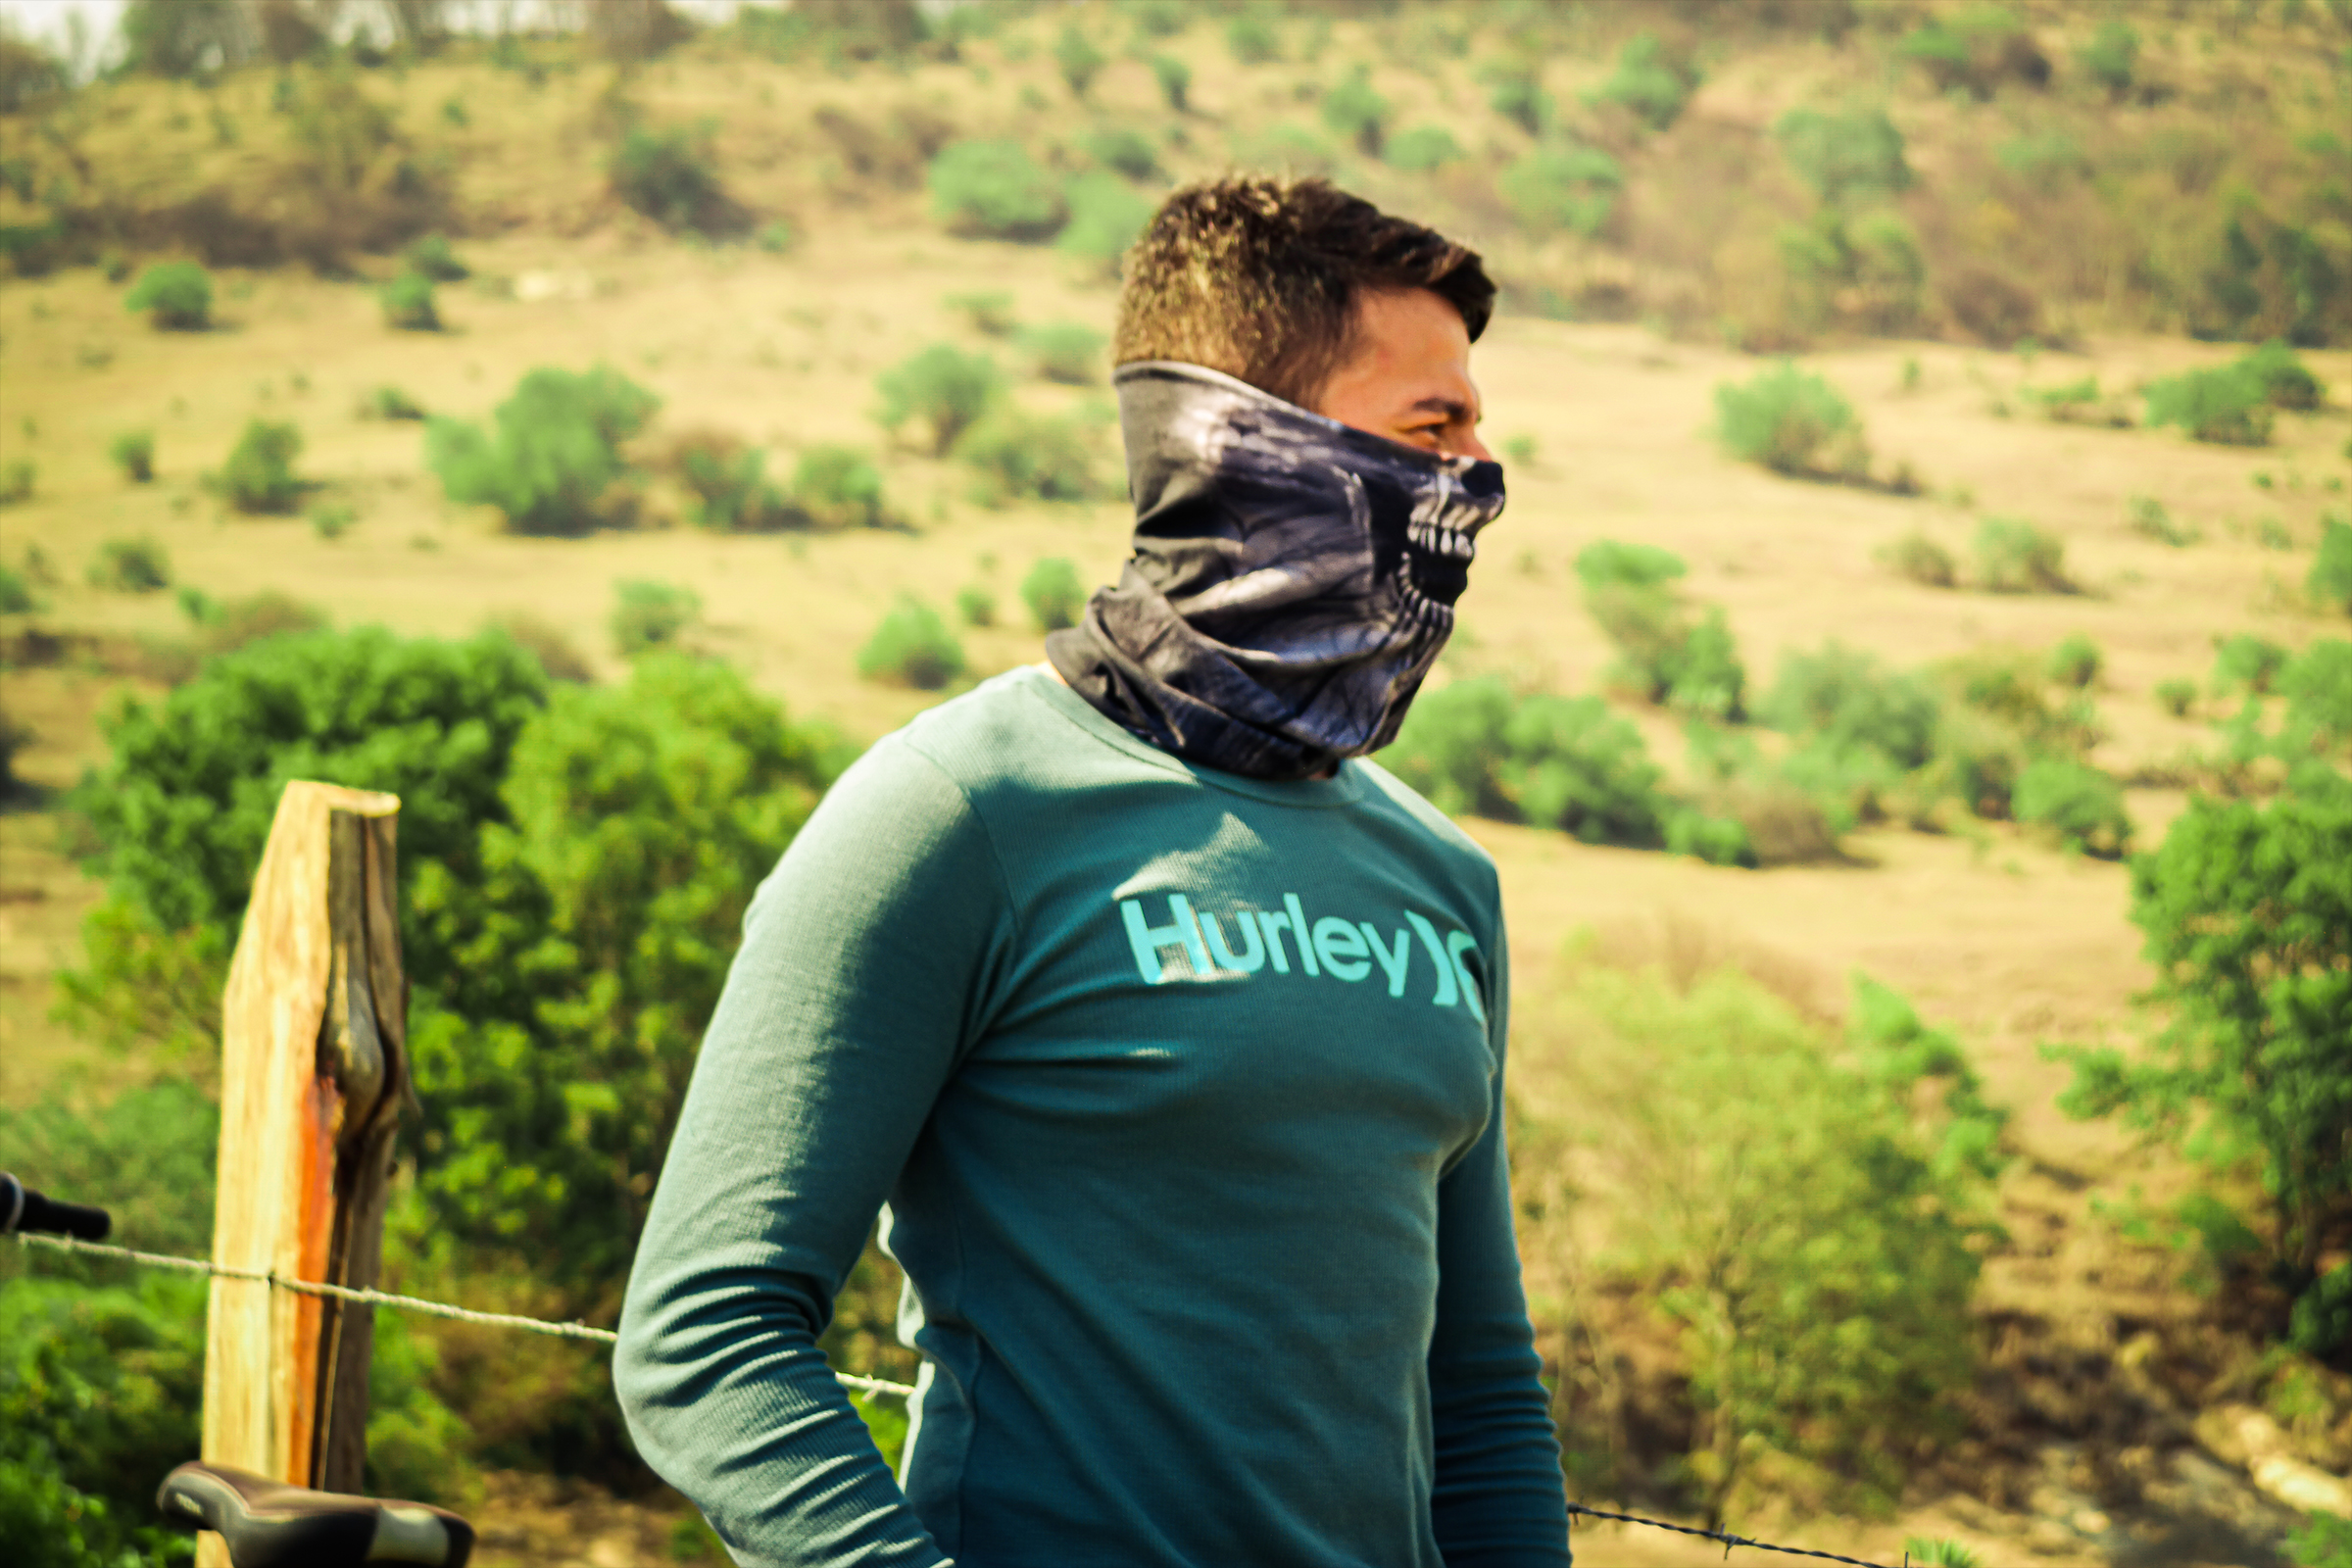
(1259, 278)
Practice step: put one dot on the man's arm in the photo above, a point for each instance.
(866, 958)
(1499, 1501)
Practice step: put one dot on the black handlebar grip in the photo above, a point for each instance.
(23, 1210)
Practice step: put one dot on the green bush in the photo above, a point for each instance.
(941, 387)
(408, 302)
(2111, 56)
(839, 487)
(1014, 455)
(995, 190)
(1066, 351)
(431, 257)
(1792, 423)
(776, 236)
(1975, 49)
(333, 520)
(728, 480)
(2077, 662)
(1077, 59)
(1923, 561)
(1354, 110)
(1783, 1201)
(1868, 270)
(16, 597)
(177, 296)
(1419, 149)
(1251, 39)
(15, 481)
(258, 475)
(649, 616)
(2286, 381)
(2150, 520)
(1572, 188)
(2248, 664)
(1846, 156)
(130, 566)
(1123, 151)
(1843, 698)
(1515, 91)
(1175, 79)
(976, 606)
(2325, 1540)
(555, 452)
(2014, 557)
(1475, 748)
(1648, 83)
(990, 313)
(668, 175)
(134, 451)
(2083, 805)
(2251, 944)
(2228, 407)
(1617, 563)
(2176, 696)
(912, 647)
(2331, 579)
(390, 403)
(1106, 216)
(1055, 593)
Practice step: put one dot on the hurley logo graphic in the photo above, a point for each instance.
(1344, 950)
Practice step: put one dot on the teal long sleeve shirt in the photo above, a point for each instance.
(1180, 1095)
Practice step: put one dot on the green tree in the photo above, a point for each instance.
(2247, 909)
(1649, 83)
(1055, 593)
(1792, 423)
(1844, 156)
(1572, 188)
(1354, 110)
(554, 450)
(911, 646)
(258, 475)
(2331, 579)
(1077, 59)
(177, 296)
(943, 388)
(995, 190)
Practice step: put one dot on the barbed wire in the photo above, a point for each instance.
(583, 1331)
(405, 1304)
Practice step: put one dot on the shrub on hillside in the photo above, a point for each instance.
(2286, 381)
(1420, 149)
(1649, 85)
(1014, 455)
(1251, 39)
(1845, 699)
(2111, 56)
(649, 616)
(1784, 1199)
(976, 606)
(1077, 59)
(1353, 109)
(554, 453)
(1792, 423)
(1175, 79)
(16, 597)
(728, 480)
(1472, 748)
(1619, 563)
(991, 312)
(177, 296)
(2176, 696)
(2014, 557)
(1123, 151)
(943, 390)
(1845, 155)
(2077, 662)
(838, 486)
(134, 451)
(1515, 91)
(1991, 306)
(1663, 655)
(224, 625)
(1106, 216)
(994, 189)
(17, 477)
(2150, 520)
(2331, 579)
(1923, 561)
(668, 175)
(258, 475)
(1066, 351)
(912, 647)
(1572, 188)
(390, 403)
(2081, 805)
(1868, 271)
(1977, 49)
(2229, 406)
(432, 257)
(408, 302)
(1055, 593)
(2246, 663)
(130, 566)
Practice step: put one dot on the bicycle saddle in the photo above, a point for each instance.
(269, 1524)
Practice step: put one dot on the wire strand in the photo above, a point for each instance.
(583, 1331)
(405, 1304)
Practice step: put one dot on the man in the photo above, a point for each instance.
(1170, 1031)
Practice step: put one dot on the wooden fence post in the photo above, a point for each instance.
(313, 1077)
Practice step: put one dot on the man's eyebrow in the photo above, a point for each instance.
(1451, 408)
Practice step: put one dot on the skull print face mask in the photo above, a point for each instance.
(1291, 582)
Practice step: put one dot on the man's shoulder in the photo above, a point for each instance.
(1385, 792)
(1006, 732)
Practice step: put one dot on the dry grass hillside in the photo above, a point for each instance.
(2099, 1429)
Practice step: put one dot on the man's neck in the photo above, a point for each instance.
(1046, 664)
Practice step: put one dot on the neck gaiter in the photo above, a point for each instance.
(1293, 578)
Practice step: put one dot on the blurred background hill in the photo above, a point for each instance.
(1908, 699)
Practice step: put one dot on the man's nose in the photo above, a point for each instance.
(1468, 445)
